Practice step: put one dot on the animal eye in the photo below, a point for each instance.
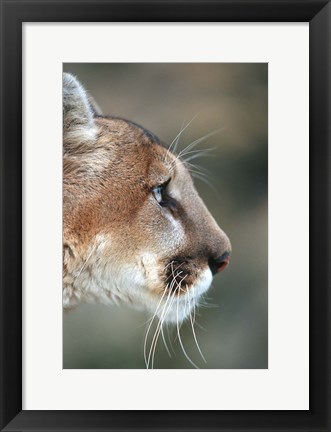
(158, 193)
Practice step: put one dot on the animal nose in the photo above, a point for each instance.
(220, 263)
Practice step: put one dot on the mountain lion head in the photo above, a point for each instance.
(135, 229)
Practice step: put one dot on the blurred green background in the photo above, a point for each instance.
(233, 331)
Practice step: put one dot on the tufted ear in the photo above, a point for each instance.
(79, 129)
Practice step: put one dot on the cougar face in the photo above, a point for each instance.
(135, 228)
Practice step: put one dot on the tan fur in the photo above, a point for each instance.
(119, 242)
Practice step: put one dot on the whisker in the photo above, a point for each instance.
(155, 333)
(198, 170)
(194, 154)
(169, 339)
(164, 342)
(206, 303)
(150, 325)
(180, 340)
(195, 338)
(159, 328)
(200, 326)
(201, 174)
(177, 274)
(160, 323)
(197, 167)
(182, 130)
(198, 141)
(206, 181)
(147, 360)
(144, 323)
(199, 153)
(194, 304)
(209, 306)
(169, 307)
(202, 151)
(176, 139)
(170, 263)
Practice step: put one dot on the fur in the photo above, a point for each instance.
(120, 244)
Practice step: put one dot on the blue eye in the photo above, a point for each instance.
(158, 193)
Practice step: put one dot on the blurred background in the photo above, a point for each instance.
(233, 330)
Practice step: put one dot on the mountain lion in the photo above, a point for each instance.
(135, 229)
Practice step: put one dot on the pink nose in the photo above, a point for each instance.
(220, 263)
(223, 262)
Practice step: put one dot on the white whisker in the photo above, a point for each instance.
(199, 325)
(199, 153)
(194, 336)
(198, 168)
(206, 181)
(194, 305)
(180, 340)
(176, 139)
(157, 332)
(177, 274)
(154, 336)
(159, 328)
(150, 325)
(169, 339)
(164, 342)
(196, 142)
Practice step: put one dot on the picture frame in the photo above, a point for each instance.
(13, 15)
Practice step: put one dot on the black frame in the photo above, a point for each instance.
(13, 14)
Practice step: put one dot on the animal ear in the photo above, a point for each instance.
(79, 128)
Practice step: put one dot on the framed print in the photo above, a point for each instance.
(192, 347)
(107, 207)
